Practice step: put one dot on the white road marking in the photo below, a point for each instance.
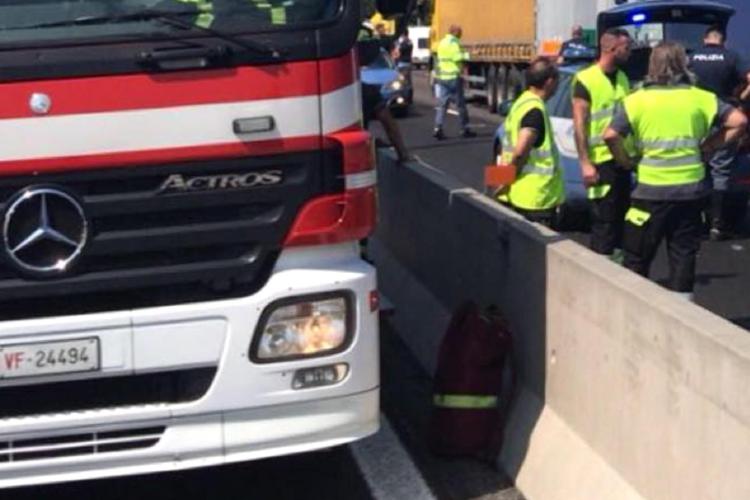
(387, 467)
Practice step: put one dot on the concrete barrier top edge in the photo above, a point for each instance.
(707, 323)
(693, 316)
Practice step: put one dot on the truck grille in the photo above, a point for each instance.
(89, 443)
(172, 387)
(149, 247)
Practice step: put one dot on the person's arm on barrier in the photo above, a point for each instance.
(393, 132)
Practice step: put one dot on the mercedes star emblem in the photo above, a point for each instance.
(40, 104)
(44, 231)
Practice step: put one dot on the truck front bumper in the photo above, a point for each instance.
(248, 411)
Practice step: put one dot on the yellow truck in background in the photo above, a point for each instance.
(503, 36)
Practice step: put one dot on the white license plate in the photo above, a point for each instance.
(49, 358)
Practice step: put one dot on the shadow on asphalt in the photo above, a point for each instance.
(406, 394)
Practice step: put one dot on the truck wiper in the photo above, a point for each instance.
(171, 18)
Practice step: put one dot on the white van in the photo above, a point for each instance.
(420, 37)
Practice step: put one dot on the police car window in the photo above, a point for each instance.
(32, 21)
(383, 61)
(560, 104)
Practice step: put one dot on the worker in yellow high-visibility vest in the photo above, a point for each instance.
(596, 91)
(671, 121)
(529, 146)
(451, 57)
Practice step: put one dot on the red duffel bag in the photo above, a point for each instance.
(472, 371)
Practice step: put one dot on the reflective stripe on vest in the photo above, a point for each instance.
(450, 56)
(277, 11)
(539, 184)
(637, 217)
(669, 124)
(464, 401)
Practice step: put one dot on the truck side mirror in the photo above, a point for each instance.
(388, 8)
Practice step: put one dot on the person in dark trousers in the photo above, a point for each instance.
(596, 92)
(719, 70)
(674, 124)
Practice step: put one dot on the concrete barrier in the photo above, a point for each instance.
(628, 392)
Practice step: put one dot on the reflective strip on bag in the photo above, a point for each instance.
(467, 402)
(637, 217)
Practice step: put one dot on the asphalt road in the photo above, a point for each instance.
(395, 464)
(723, 275)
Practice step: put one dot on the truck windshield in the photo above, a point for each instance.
(51, 21)
(648, 35)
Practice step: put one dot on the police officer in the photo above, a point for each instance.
(672, 122)
(449, 84)
(718, 70)
(529, 146)
(576, 43)
(596, 91)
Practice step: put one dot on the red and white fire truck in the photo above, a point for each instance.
(182, 188)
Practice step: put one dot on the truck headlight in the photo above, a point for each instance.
(303, 327)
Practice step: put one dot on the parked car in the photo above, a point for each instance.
(395, 86)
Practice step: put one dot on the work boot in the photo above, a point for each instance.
(438, 134)
(468, 133)
(617, 256)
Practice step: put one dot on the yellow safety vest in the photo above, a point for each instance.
(451, 55)
(604, 98)
(539, 184)
(277, 10)
(205, 10)
(669, 124)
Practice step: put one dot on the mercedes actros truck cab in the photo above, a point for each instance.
(183, 185)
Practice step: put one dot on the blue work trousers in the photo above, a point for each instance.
(447, 91)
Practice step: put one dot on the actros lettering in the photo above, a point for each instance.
(180, 183)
